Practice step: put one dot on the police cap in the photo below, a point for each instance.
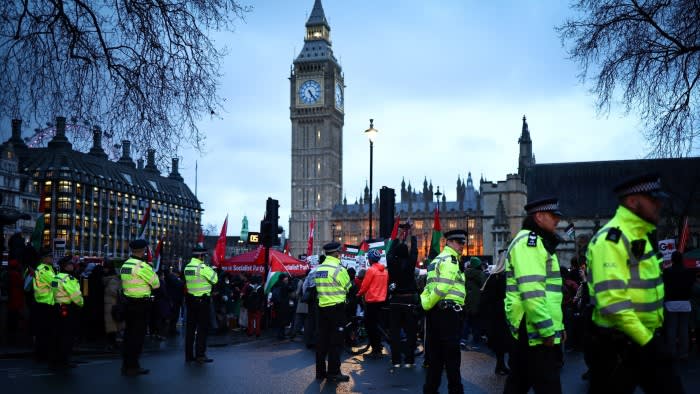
(331, 247)
(649, 184)
(138, 244)
(199, 250)
(456, 235)
(549, 204)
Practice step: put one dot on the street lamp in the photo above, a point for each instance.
(371, 134)
(437, 196)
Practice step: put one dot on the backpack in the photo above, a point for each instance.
(253, 300)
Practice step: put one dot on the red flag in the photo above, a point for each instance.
(144, 222)
(157, 254)
(685, 233)
(285, 250)
(200, 238)
(310, 244)
(220, 249)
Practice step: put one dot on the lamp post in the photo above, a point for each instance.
(437, 196)
(371, 134)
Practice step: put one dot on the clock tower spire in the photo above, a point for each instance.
(316, 112)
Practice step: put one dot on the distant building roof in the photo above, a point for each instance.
(585, 188)
(91, 169)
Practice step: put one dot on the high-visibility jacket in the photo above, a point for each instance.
(43, 276)
(447, 283)
(199, 278)
(138, 278)
(430, 277)
(624, 277)
(533, 289)
(66, 290)
(332, 282)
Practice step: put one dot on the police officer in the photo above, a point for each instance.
(69, 300)
(442, 300)
(199, 279)
(332, 285)
(627, 292)
(138, 280)
(44, 312)
(533, 301)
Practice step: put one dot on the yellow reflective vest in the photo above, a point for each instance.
(66, 290)
(624, 277)
(332, 282)
(199, 278)
(138, 278)
(533, 289)
(43, 276)
(447, 280)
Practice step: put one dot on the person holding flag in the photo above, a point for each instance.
(199, 279)
(404, 296)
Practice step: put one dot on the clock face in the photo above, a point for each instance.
(338, 95)
(310, 92)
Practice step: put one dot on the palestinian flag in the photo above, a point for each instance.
(38, 233)
(394, 235)
(276, 271)
(437, 235)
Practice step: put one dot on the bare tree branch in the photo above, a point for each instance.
(145, 70)
(647, 54)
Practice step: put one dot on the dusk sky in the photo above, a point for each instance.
(447, 83)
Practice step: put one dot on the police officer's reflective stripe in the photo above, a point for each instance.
(456, 293)
(445, 280)
(530, 279)
(332, 293)
(439, 292)
(616, 307)
(647, 306)
(544, 324)
(553, 287)
(645, 283)
(511, 287)
(532, 294)
(611, 284)
(536, 335)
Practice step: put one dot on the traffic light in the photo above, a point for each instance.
(386, 211)
(269, 226)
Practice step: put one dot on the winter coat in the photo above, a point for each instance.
(281, 293)
(474, 278)
(302, 307)
(374, 286)
(492, 313)
(112, 285)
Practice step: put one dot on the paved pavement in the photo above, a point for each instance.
(262, 366)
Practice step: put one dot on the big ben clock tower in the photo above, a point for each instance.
(316, 112)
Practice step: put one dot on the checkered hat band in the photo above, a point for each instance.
(544, 208)
(641, 188)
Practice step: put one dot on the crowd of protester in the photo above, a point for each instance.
(240, 304)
